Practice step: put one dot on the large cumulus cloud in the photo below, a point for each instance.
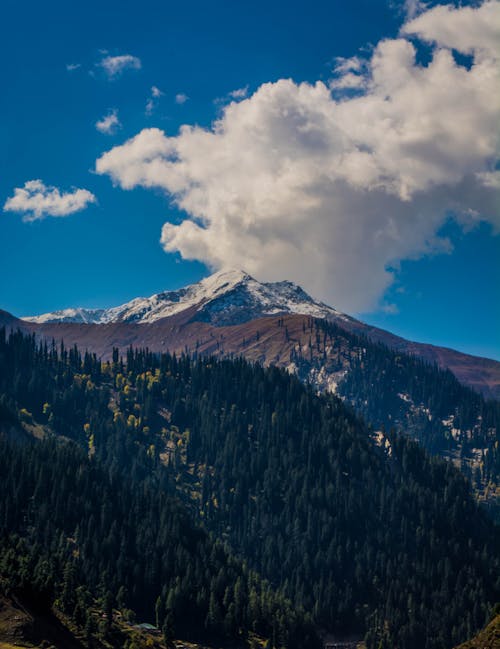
(334, 190)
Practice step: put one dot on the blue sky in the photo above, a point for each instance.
(443, 290)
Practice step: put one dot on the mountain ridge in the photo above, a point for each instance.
(227, 299)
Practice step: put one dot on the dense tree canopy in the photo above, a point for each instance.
(370, 536)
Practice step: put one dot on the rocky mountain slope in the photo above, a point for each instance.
(222, 314)
(225, 298)
(230, 314)
(387, 386)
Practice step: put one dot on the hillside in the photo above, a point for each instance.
(389, 388)
(77, 540)
(293, 483)
(488, 638)
(230, 299)
(24, 625)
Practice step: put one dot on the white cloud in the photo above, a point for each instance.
(489, 179)
(114, 66)
(37, 200)
(390, 308)
(348, 80)
(239, 93)
(181, 98)
(109, 124)
(292, 183)
(469, 30)
(413, 7)
(70, 67)
(152, 101)
(234, 95)
(352, 64)
(349, 74)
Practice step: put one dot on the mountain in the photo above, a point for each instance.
(225, 298)
(440, 397)
(131, 459)
(235, 299)
(87, 527)
(418, 389)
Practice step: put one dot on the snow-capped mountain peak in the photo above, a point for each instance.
(227, 297)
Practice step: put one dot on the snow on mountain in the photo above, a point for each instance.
(69, 315)
(226, 297)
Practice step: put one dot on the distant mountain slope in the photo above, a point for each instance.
(187, 331)
(230, 314)
(481, 374)
(389, 388)
(232, 298)
(9, 321)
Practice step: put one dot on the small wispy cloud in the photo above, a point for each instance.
(114, 66)
(239, 93)
(109, 124)
(70, 67)
(36, 201)
(234, 95)
(349, 81)
(181, 98)
(345, 65)
(152, 101)
(412, 8)
(389, 308)
(349, 74)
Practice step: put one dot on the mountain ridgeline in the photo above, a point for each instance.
(391, 382)
(224, 498)
(393, 390)
(222, 308)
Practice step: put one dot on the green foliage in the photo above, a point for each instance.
(367, 538)
(393, 390)
(70, 527)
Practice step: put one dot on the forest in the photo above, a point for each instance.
(394, 390)
(232, 495)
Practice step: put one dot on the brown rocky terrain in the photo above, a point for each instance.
(488, 638)
(268, 340)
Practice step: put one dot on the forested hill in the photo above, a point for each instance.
(387, 386)
(73, 531)
(375, 540)
(392, 389)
